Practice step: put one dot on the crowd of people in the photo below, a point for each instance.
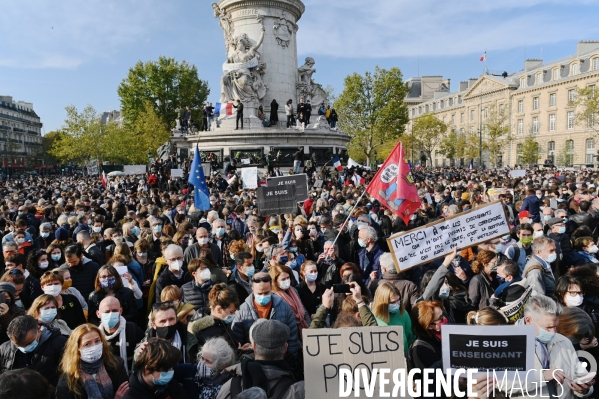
(128, 291)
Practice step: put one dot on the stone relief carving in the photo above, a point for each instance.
(283, 30)
(307, 88)
(226, 23)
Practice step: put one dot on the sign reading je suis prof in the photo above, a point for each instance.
(300, 181)
(438, 239)
(276, 200)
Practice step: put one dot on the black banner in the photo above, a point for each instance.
(506, 352)
(277, 200)
(299, 181)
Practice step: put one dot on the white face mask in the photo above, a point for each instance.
(284, 285)
(176, 265)
(205, 275)
(537, 234)
(53, 290)
(593, 249)
(573, 301)
(43, 265)
(90, 355)
(203, 241)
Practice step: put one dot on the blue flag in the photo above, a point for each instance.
(217, 109)
(201, 195)
(410, 164)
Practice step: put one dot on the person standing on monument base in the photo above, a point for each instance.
(308, 112)
(274, 112)
(289, 113)
(298, 158)
(239, 107)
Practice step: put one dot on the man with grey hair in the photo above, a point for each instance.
(82, 226)
(45, 237)
(408, 290)
(90, 249)
(555, 354)
(203, 242)
(276, 255)
(221, 239)
(452, 210)
(537, 271)
(369, 254)
(176, 274)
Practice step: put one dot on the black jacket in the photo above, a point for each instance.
(187, 340)
(242, 290)
(83, 276)
(125, 297)
(71, 311)
(117, 376)
(31, 290)
(209, 327)
(139, 389)
(44, 359)
(168, 278)
(133, 336)
(197, 296)
(95, 254)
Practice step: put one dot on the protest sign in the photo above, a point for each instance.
(275, 200)
(299, 181)
(327, 350)
(245, 161)
(518, 173)
(318, 184)
(515, 310)
(437, 239)
(490, 348)
(249, 177)
(176, 173)
(494, 193)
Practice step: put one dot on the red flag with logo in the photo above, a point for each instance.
(103, 179)
(394, 187)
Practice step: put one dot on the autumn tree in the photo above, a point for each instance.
(530, 151)
(587, 104)
(429, 131)
(372, 110)
(497, 133)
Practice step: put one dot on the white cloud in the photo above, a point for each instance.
(406, 28)
(65, 34)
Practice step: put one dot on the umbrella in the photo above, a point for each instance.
(116, 173)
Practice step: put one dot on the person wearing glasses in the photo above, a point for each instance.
(109, 283)
(176, 274)
(263, 304)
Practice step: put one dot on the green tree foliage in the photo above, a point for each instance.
(167, 85)
(450, 145)
(587, 103)
(498, 134)
(429, 131)
(372, 111)
(530, 151)
(47, 143)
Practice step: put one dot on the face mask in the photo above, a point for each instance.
(551, 258)
(249, 271)
(43, 265)
(361, 243)
(298, 234)
(47, 315)
(205, 275)
(45, 235)
(283, 260)
(53, 290)
(110, 319)
(565, 220)
(284, 285)
(20, 213)
(135, 231)
(361, 225)
(561, 230)
(394, 307)
(158, 229)
(593, 249)
(262, 300)
(526, 241)
(108, 282)
(506, 237)
(118, 240)
(573, 301)
(537, 234)
(203, 241)
(544, 336)
(29, 348)
(252, 229)
(20, 241)
(176, 265)
(56, 257)
(220, 231)
(165, 377)
(444, 291)
(276, 231)
(67, 285)
(229, 319)
(166, 332)
(205, 371)
(311, 277)
(313, 231)
(90, 355)
(546, 217)
(142, 254)
(293, 249)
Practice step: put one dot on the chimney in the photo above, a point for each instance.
(586, 46)
(463, 86)
(447, 84)
(472, 82)
(532, 63)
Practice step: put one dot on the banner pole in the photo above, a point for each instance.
(349, 214)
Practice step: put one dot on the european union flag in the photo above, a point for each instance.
(201, 194)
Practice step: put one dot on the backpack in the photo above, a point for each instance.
(276, 392)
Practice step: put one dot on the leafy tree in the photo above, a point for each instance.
(450, 145)
(497, 134)
(470, 144)
(430, 131)
(530, 150)
(47, 143)
(587, 101)
(167, 85)
(371, 110)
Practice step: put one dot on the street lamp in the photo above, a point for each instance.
(376, 155)
(149, 160)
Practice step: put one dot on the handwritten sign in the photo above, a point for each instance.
(276, 200)
(176, 173)
(518, 173)
(300, 182)
(327, 350)
(249, 177)
(489, 348)
(437, 239)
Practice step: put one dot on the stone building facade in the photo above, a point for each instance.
(537, 101)
(20, 134)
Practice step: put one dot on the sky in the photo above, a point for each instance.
(66, 52)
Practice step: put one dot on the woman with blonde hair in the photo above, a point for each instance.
(488, 316)
(89, 368)
(45, 310)
(281, 285)
(389, 310)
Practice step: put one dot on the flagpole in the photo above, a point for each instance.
(350, 212)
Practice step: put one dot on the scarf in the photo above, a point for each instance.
(122, 343)
(95, 379)
(177, 341)
(503, 286)
(290, 296)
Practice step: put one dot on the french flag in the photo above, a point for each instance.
(103, 179)
(418, 166)
(337, 164)
(483, 57)
(470, 166)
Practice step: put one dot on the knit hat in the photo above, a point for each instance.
(8, 287)
(270, 334)
(465, 196)
(62, 234)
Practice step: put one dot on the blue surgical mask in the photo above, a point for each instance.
(561, 230)
(47, 315)
(283, 259)
(551, 258)
(29, 348)
(394, 307)
(293, 249)
(110, 319)
(444, 291)
(220, 231)
(361, 243)
(544, 336)
(250, 271)
(546, 217)
(165, 377)
(56, 257)
(135, 231)
(45, 235)
(262, 300)
(158, 228)
(229, 319)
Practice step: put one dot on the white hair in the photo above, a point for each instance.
(212, 215)
(221, 352)
(541, 244)
(172, 249)
(386, 262)
(62, 220)
(370, 232)
(541, 305)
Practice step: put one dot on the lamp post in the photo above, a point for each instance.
(376, 154)
(149, 161)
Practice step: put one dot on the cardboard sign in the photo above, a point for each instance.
(121, 270)
(515, 310)
(299, 181)
(494, 193)
(249, 177)
(508, 350)
(518, 173)
(326, 350)
(276, 200)
(318, 183)
(176, 173)
(437, 239)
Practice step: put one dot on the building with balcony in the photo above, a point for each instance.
(20, 134)
(537, 102)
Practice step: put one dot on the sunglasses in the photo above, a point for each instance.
(262, 280)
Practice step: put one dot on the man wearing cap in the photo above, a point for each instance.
(524, 217)
(532, 204)
(263, 304)
(269, 371)
(562, 242)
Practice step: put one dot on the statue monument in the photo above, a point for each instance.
(260, 69)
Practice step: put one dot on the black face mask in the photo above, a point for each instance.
(166, 332)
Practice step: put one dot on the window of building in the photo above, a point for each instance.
(471, 114)
(552, 100)
(556, 74)
(520, 126)
(521, 106)
(570, 119)
(592, 91)
(535, 125)
(574, 69)
(552, 122)
(538, 78)
(591, 121)
(523, 82)
(453, 119)
(571, 95)
(462, 117)
(590, 151)
(486, 112)
(501, 108)
(535, 103)
(590, 144)
(519, 150)
(569, 152)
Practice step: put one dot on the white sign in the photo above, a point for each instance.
(518, 173)
(245, 161)
(249, 177)
(134, 169)
(121, 270)
(436, 240)
(176, 173)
